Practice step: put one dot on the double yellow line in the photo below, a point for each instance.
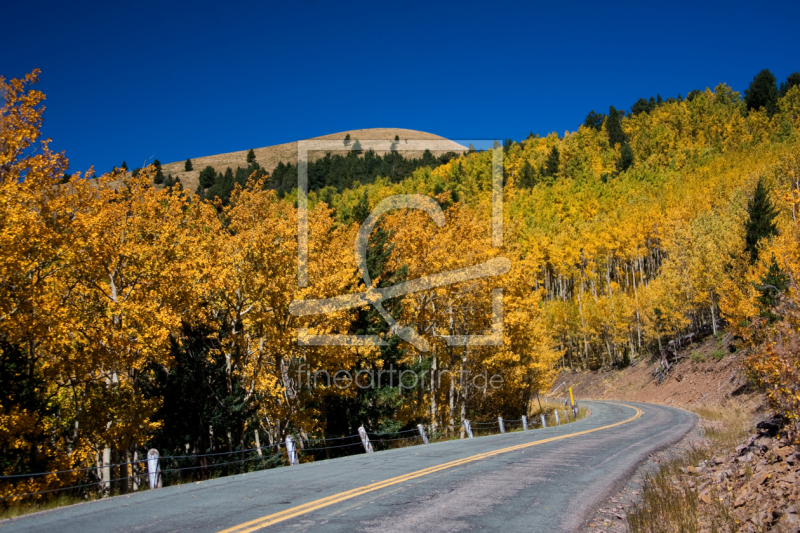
(264, 521)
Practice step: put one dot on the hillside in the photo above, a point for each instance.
(269, 156)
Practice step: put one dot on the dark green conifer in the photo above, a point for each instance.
(762, 92)
(760, 222)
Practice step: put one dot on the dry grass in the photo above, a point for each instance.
(669, 501)
(23, 508)
(269, 157)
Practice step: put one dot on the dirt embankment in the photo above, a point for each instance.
(707, 374)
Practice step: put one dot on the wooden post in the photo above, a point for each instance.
(153, 469)
(422, 434)
(365, 439)
(468, 428)
(524, 423)
(500, 422)
(544, 423)
(258, 444)
(291, 450)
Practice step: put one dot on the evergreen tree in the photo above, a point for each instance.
(551, 164)
(614, 127)
(187, 166)
(347, 138)
(251, 156)
(207, 177)
(396, 138)
(159, 177)
(773, 282)
(693, 94)
(792, 81)
(527, 176)
(124, 166)
(361, 210)
(760, 222)
(593, 120)
(625, 160)
(763, 92)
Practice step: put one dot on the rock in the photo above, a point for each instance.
(784, 452)
(760, 478)
(772, 426)
(791, 479)
(719, 460)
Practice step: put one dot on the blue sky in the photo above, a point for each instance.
(131, 81)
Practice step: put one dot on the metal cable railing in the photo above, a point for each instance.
(365, 443)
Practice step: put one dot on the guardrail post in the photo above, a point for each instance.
(153, 469)
(500, 421)
(468, 428)
(544, 422)
(365, 439)
(558, 423)
(291, 451)
(566, 414)
(524, 423)
(422, 434)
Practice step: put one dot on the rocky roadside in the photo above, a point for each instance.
(757, 483)
(753, 489)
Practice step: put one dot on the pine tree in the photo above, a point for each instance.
(593, 120)
(791, 81)
(396, 138)
(551, 164)
(159, 177)
(614, 127)
(625, 160)
(187, 166)
(763, 92)
(207, 177)
(773, 282)
(251, 156)
(760, 223)
(124, 166)
(361, 209)
(527, 176)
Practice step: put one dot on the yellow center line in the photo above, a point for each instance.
(264, 521)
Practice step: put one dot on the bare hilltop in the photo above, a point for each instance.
(269, 156)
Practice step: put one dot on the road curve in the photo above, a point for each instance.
(542, 480)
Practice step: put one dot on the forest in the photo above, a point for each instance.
(142, 316)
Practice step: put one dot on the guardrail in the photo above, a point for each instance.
(155, 469)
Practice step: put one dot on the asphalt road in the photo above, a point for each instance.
(542, 480)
